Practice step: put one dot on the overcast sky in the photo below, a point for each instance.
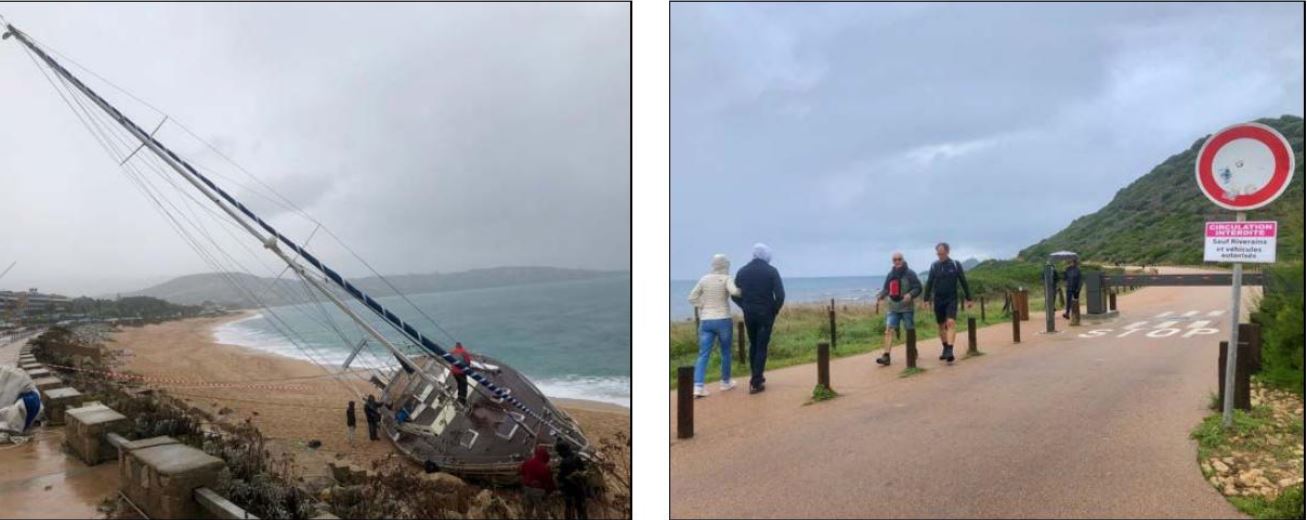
(428, 137)
(840, 132)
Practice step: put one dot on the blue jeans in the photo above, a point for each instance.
(721, 331)
(892, 320)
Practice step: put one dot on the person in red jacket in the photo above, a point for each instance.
(459, 376)
(537, 482)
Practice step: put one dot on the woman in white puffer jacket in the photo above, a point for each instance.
(712, 296)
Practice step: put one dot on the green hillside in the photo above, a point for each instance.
(1158, 219)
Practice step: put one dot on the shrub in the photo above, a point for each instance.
(1281, 319)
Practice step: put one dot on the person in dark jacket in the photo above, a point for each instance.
(373, 416)
(902, 287)
(761, 296)
(459, 376)
(942, 287)
(1072, 286)
(571, 481)
(350, 421)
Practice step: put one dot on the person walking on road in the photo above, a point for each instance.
(902, 287)
(712, 296)
(1072, 286)
(942, 287)
(350, 421)
(373, 417)
(761, 297)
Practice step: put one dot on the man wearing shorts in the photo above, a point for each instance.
(901, 287)
(942, 288)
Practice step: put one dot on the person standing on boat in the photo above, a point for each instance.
(712, 297)
(902, 287)
(537, 483)
(350, 421)
(373, 417)
(761, 296)
(459, 376)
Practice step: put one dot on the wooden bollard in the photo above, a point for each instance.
(1252, 333)
(1242, 399)
(1075, 312)
(739, 343)
(823, 364)
(971, 336)
(1023, 298)
(696, 321)
(982, 308)
(912, 348)
(684, 402)
(1111, 300)
(1016, 326)
(877, 307)
(831, 311)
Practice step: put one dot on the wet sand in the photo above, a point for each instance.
(310, 406)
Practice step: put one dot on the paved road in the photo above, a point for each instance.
(1058, 426)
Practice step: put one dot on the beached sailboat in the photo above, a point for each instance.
(505, 416)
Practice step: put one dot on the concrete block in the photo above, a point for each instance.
(30, 366)
(47, 382)
(56, 400)
(27, 358)
(86, 433)
(38, 372)
(162, 479)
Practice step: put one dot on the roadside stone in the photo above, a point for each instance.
(1220, 467)
(1288, 481)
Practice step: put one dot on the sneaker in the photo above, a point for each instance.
(728, 385)
(948, 353)
(756, 389)
(943, 353)
(883, 360)
(700, 391)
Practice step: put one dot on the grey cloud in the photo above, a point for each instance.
(839, 132)
(427, 136)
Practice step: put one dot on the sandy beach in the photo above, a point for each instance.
(310, 406)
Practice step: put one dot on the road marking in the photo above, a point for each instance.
(1188, 314)
(1136, 325)
(1198, 324)
(1216, 313)
(1156, 333)
(1166, 324)
(1165, 314)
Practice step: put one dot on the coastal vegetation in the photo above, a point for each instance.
(1280, 315)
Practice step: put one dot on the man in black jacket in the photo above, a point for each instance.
(1072, 286)
(761, 296)
(373, 415)
(942, 288)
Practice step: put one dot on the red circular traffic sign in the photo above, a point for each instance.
(1244, 166)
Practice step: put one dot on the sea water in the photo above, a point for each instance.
(572, 339)
(797, 290)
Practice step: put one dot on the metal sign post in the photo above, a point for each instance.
(1232, 348)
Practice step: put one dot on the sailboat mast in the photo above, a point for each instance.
(236, 210)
